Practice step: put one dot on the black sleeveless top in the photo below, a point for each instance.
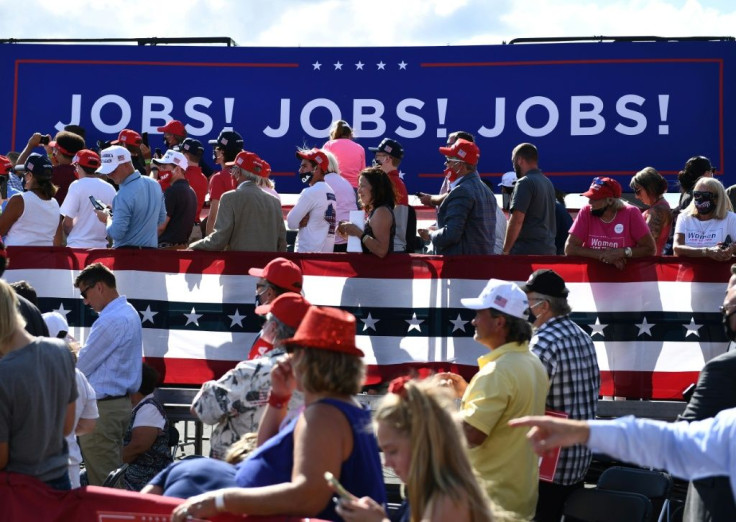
(368, 230)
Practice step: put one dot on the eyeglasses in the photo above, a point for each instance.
(448, 161)
(84, 292)
(703, 195)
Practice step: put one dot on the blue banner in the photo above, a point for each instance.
(591, 108)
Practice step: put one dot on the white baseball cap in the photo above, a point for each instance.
(503, 296)
(111, 157)
(173, 157)
(508, 179)
(56, 323)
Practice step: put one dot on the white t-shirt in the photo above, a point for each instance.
(148, 415)
(345, 195)
(319, 202)
(706, 233)
(88, 231)
(85, 408)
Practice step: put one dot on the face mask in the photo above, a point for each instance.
(306, 177)
(731, 334)
(705, 207)
(532, 317)
(450, 174)
(258, 296)
(598, 212)
(377, 162)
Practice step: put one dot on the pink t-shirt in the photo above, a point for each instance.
(350, 157)
(625, 230)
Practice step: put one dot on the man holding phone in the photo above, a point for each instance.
(79, 220)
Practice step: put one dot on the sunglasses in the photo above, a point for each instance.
(703, 195)
(84, 292)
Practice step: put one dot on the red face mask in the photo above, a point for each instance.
(450, 174)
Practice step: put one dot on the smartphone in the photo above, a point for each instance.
(99, 205)
(144, 137)
(44, 140)
(726, 243)
(337, 487)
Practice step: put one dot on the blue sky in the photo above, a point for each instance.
(364, 22)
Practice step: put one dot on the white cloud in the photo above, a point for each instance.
(365, 23)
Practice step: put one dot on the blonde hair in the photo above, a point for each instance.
(10, 318)
(439, 461)
(329, 371)
(723, 204)
(241, 448)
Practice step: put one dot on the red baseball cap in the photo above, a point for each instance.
(5, 166)
(128, 137)
(174, 127)
(326, 328)
(87, 158)
(464, 150)
(603, 187)
(282, 273)
(266, 171)
(247, 161)
(316, 155)
(289, 308)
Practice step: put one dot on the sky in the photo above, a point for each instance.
(324, 23)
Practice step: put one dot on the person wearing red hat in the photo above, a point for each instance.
(61, 151)
(607, 229)
(248, 219)
(234, 403)
(315, 213)
(466, 219)
(6, 170)
(132, 141)
(174, 133)
(286, 474)
(80, 223)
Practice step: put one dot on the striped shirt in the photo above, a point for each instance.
(568, 354)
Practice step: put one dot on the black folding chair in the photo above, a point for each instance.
(655, 485)
(598, 505)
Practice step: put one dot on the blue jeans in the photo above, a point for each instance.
(62, 483)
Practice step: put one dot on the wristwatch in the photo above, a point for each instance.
(628, 252)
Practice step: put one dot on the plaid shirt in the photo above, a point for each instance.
(568, 354)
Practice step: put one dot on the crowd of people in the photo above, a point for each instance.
(287, 415)
(84, 198)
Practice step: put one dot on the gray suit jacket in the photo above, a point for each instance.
(249, 220)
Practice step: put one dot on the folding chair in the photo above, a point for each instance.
(655, 485)
(598, 505)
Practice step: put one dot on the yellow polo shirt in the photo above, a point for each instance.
(510, 383)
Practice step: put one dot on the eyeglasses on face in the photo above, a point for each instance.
(84, 292)
(701, 194)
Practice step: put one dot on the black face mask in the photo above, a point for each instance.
(598, 212)
(306, 177)
(731, 334)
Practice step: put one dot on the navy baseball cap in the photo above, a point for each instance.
(390, 147)
(228, 140)
(192, 146)
(40, 166)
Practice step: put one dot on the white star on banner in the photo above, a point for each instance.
(359, 66)
(401, 174)
(402, 65)
(236, 318)
(193, 317)
(147, 314)
(316, 66)
(338, 66)
(458, 324)
(644, 328)
(692, 328)
(597, 328)
(369, 322)
(62, 311)
(381, 66)
(414, 323)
